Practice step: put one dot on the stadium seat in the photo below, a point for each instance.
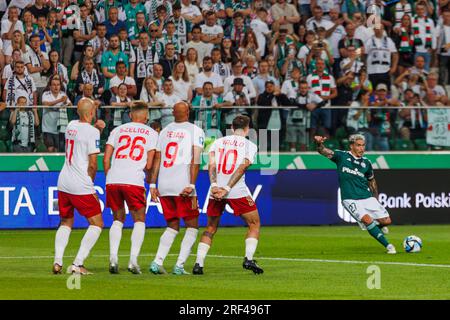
(3, 147)
(421, 144)
(403, 145)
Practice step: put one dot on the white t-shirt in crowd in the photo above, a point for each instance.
(128, 163)
(248, 88)
(260, 29)
(312, 24)
(31, 57)
(50, 116)
(211, 31)
(116, 81)
(214, 78)
(379, 53)
(6, 25)
(176, 142)
(230, 152)
(82, 140)
(181, 88)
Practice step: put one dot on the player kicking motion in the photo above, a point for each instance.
(129, 151)
(176, 166)
(76, 187)
(359, 190)
(229, 158)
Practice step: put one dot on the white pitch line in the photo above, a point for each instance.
(408, 264)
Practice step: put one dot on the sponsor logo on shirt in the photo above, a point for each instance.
(354, 172)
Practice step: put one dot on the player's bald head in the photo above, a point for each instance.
(85, 108)
(181, 111)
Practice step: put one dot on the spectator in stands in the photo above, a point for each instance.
(211, 31)
(443, 48)
(40, 8)
(250, 46)
(88, 92)
(17, 43)
(146, 57)
(439, 91)
(55, 119)
(113, 24)
(353, 62)
(9, 67)
(44, 34)
(9, 26)
(237, 73)
(274, 98)
(381, 119)
(28, 25)
(149, 94)
(126, 47)
(203, 49)
(404, 39)
(99, 43)
(259, 82)
(382, 57)
(285, 15)
(424, 33)
(220, 67)
(170, 37)
(140, 26)
(37, 64)
(84, 33)
(158, 75)
(210, 76)
(24, 122)
(121, 99)
(317, 20)
(54, 28)
(412, 121)
(359, 117)
(192, 65)
(168, 60)
(207, 110)
(121, 77)
(90, 75)
(261, 29)
(229, 52)
(56, 67)
(68, 25)
(350, 7)
(180, 80)
(20, 81)
(236, 97)
(324, 85)
(88, 52)
(111, 57)
(419, 67)
(191, 12)
(181, 25)
(170, 99)
(236, 31)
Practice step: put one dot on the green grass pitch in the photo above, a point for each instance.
(314, 263)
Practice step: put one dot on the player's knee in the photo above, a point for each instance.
(210, 231)
(386, 221)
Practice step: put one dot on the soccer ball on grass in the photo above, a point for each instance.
(412, 244)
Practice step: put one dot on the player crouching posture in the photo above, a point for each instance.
(359, 191)
(76, 187)
(229, 158)
(176, 166)
(131, 147)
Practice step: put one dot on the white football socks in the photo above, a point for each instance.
(61, 241)
(186, 246)
(250, 247)
(115, 235)
(202, 251)
(90, 238)
(137, 238)
(165, 242)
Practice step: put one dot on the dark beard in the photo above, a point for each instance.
(207, 69)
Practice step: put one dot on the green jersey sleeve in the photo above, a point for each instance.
(369, 174)
(337, 156)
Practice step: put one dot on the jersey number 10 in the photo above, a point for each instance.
(224, 158)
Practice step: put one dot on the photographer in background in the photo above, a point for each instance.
(24, 122)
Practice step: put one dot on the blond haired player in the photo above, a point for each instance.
(176, 166)
(229, 158)
(129, 151)
(76, 187)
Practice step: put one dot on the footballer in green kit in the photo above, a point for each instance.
(359, 192)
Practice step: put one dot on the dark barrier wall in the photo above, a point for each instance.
(291, 197)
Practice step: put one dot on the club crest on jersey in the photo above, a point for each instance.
(363, 164)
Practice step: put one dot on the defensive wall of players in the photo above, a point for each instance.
(292, 189)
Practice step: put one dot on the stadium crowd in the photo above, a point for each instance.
(216, 55)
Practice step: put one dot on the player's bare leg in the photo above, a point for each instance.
(383, 223)
(115, 235)
(251, 241)
(375, 232)
(205, 243)
(165, 243)
(87, 243)
(61, 241)
(186, 245)
(137, 238)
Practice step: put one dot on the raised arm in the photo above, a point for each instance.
(319, 140)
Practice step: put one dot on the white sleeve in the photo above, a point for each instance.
(251, 152)
(315, 98)
(218, 81)
(45, 97)
(94, 142)
(198, 82)
(112, 137)
(229, 97)
(114, 82)
(199, 137)
(392, 47)
(153, 141)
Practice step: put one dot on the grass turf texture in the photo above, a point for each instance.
(26, 261)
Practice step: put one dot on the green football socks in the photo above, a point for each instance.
(376, 232)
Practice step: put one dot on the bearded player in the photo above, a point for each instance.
(359, 191)
(229, 158)
(129, 152)
(76, 187)
(176, 166)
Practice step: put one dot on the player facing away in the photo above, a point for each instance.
(76, 187)
(359, 191)
(176, 166)
(229, 158)
(128, 157)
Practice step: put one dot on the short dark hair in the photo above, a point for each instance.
(119, 63)
(241, 122)
(238, 15)
(208, 82)
(207, 58)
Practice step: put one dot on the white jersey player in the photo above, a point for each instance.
(229, 158)
(76, 187)
(129, 151)
(176, 165)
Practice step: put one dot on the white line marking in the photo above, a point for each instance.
(408, 264)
